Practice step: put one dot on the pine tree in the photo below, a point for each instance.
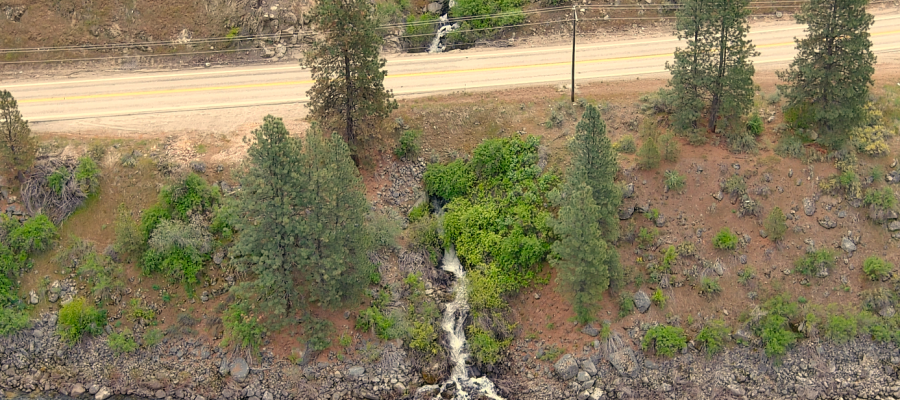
(348, 95)
(715, 70)
(828, 81)
(594, 164)
(337, 267)
(583, 259)
(17, 145)
(269, 207)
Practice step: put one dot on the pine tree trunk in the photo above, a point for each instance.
(717, 98)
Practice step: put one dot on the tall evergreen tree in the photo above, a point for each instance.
(348, 95)
(17, 145)
(583, 259)
(301, 220)
(715, 70)
(828, 81)
(594, 164)
(338, 267)
(269, 219)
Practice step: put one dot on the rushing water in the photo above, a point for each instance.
(453, 324)
(446, 27)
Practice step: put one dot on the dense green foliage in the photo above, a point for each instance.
(883, 198)
(348, 94)
(78, 318)
(827, 84)
(191, 195)
(876, 268)
(626, 145)
(773, 327)
(35, 235)
(665, 340)
(775, 224)
(17, 145)
(122, 342)
(674, 181)
(841, 328)
(408, 145)
(301, 221)
(714, 72)
(725, 239)
(713, 336)
(448, 181)
(648, 156)
(812, 262)
(243, 328)
(87, 174)
(509, 12)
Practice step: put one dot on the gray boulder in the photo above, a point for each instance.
(641, 301)
(628, 191)
(356, 371)
(566, 368)
(103, 394)
(589, 367)
(848, 245)
(239, 369)
(583, 376)
(624, 362)
(827, 223)
(719, 268)
(77, 390)
(894, 226)
(590, 330)
(434, 7)
(626, 212)
(809, 206)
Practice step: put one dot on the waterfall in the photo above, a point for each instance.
(455, 315)
(446, 27)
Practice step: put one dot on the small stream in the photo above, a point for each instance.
(453, 324)
(445, 28)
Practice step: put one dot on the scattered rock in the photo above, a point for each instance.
(628, 192)
(809, 206)
(198, 167)
(239, 369)
(848, 245)
(827, 223)
(641, 301)
(894, 226)
(355, 372)
(583, 376)
(13, 13)
(763, 234)
(718, 195)
(103, 394)
(626, 212)
(566, 368)
(77, 390)
(660, 221)
(589, 367)
(718, 267)
(33, 297)
(590, 330)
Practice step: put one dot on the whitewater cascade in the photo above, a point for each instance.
(453, 322)
(446, 27)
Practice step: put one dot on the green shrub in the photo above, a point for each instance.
(776, 335)
(876, 268)
(424, 235)
(712, 337)
(424, 338)
(755, 125)
(741, 141)
(647, 237)
(121, 343)
(12, 320)
(87, 174)
(668, 147)
(674, 180)
(725, 240)
(626, 305)
(384, 229)
(177, 249)
(318, 332)
(659, 298)
(660, 102)
(103, 274)
(883, 198)
(77, 318)
(151, 217)
(840, 329)
(34, 236)
(870, 138)
(137, 311)
(191, 195)
(626, 145)
(648, 156)
(811, 263)
(790, 146)
(508, 12)
(710, 286)
(152, 337)
(484, 346)
(58, 179)
(773, 98)
(373, 318)
(420, 211)
(746, 275)
(448, 181)
(129, 240)
(735, 185)
(665, 340)
(552, 353)
(409, 144)
(775, 224)
(242, 327)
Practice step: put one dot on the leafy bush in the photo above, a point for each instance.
(725, 239)
(660, 102)
(509, 12)
(58, 179)
(648, 156)
(152, 337)
(177, 249)
(318, 332)
(811, 263)
(668, 146)
(12, 320)
(104, 275)
(409, 144)
(665, 340)
(840, 329)
(870, 138)
(674, 180)
(775, 224)
(448, 181)
(626, 305)
(876, 268)
(735, 185)
(151, 217)
(121, 343)
(626, 145)
(191, 195)
(35, 235)
(790, 146)
(755, 125)
(776, 335)
(710, 286)
(384, 229)
(129, 240)
(647, 237)
(773, 98)
(420, 211)
(883, 198)
(484, 346)
(87, 174)
(712, 337)
(746, 275)
(242, 327)
(659, 298)
(77, 318)
(424, 235)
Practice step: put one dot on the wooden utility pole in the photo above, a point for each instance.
(574, 20)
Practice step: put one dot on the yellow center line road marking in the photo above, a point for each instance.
(413, 74)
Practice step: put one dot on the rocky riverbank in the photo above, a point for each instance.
(36, 361)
